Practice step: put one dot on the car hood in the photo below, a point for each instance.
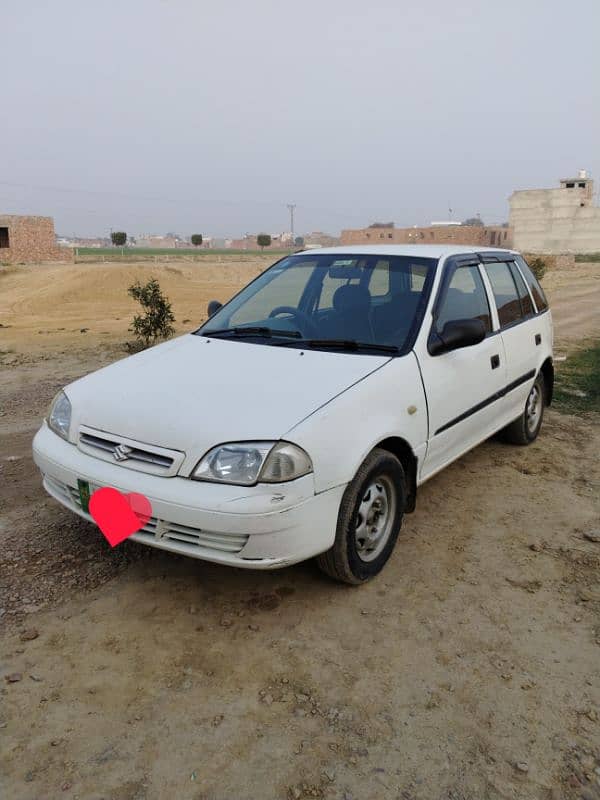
(193, 393)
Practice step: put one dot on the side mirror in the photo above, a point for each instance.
(456, 333)
(213, 307)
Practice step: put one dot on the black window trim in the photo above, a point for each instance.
(514, 268)
(471, 259)
(523, 317)
(451, 265)
(512, 257)
(538, 311)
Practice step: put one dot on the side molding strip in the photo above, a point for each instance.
(488, 401)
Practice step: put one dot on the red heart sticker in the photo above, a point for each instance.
(119, 515)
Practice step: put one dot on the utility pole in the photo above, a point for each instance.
(291, 209)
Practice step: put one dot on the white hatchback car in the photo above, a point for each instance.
(300, 419)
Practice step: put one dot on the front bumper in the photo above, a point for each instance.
(256, 527)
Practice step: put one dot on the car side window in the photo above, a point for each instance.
(523, 291)
(505, 293)
(465, 298)
(534, 286)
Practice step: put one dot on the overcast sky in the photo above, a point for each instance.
(211, 115)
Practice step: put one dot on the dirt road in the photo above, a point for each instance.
(575, 299)
(469, 670)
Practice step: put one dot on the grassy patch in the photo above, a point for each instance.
(577, 381)
(149, 252)
(587, 257)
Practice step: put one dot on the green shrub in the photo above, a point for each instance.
(538, 267)
(156, 322)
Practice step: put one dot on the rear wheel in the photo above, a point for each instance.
(369, 520)
(525, 429)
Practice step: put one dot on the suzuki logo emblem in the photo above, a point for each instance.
(121, 452)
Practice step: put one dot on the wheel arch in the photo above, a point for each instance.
(404, 453)
(547, 370)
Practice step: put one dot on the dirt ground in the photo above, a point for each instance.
(470, 669)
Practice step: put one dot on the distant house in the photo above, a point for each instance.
(436, 233)
(26, 240)
(154, 241)
(279, 241)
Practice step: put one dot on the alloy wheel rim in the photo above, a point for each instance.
(374, 518)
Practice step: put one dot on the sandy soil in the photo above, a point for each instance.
(575, 299)
(469, 670)
(50, 307)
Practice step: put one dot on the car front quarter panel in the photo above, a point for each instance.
(388, 403)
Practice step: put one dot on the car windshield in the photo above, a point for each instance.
(355, 303)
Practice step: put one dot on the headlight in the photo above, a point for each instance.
(59, 418)
(247, 463)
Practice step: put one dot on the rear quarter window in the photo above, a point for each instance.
(524, 296)
(533, 283)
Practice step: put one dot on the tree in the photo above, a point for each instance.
(119, 238)
(474, 221)
(196, 239)
(263, 240)
(156, 322)
(299, 241)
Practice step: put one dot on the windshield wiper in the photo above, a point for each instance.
(253, 331)
(346, 344)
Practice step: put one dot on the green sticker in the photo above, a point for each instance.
(84, 495)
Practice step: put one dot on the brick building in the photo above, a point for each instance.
(30, 239)
(482, 235)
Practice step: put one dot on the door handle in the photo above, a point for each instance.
(495, 362)
(538, 338)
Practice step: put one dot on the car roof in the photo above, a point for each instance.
(422, 250)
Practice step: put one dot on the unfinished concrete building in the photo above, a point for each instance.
(554, 221)
(25, 240)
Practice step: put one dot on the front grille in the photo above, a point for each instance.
(226, 542)
(129, 453)
(158, 529)
(135, 453)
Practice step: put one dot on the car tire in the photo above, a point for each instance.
(525, 429)
(369, 520)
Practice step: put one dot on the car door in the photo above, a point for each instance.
(462, 386)
(522, 331)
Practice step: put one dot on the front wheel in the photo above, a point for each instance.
(525, 428)
(369, 520)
